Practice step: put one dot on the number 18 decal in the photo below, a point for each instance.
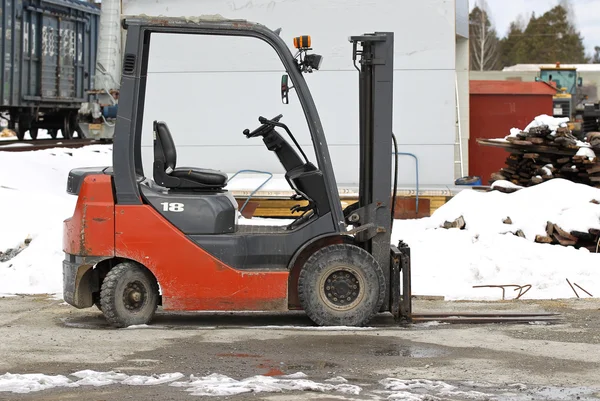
(172, 207)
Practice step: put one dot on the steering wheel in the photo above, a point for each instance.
(266, 126)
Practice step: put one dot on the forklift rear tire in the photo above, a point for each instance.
(341, 285)
(129, 295)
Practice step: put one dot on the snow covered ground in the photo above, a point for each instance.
(449, 263)
(34, 203)
(218, 385)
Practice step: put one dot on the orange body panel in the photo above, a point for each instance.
(189, 277)
(91, 230)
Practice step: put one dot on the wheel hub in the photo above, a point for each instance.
(342, 288)
(134, 296)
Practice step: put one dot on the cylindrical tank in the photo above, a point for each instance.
(109, 46)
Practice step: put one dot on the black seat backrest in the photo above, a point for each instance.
(166, 147)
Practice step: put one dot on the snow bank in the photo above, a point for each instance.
(221, 385)
(27, 383)
(211, 385)
(431, 390)
(34, 203)
(560, 201)
(450, 262)
(93, 378)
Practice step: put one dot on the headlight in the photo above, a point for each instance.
(313, 61)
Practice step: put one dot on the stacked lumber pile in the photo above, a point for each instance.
(540, 154)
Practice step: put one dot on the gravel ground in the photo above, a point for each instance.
(558, 361)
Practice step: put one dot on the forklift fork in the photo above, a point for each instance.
(401, 299)
(400, 293)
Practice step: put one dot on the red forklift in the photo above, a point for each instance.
(135, 242)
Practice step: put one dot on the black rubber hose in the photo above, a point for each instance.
(395, 180)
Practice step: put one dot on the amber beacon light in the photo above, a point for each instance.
(302, 42)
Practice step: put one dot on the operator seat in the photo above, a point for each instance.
(168, 175)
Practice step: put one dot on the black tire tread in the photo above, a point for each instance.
(312, 261)
(107, 292)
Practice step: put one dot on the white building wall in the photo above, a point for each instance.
(192, 83)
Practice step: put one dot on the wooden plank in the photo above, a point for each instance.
(406, 208)
(458, 223)
(564, 234)
(435, 202)
(536, 141)
(543, 239)
(522, 143)
(534, 148)
(508, 170)
(549, 228)
(562, 240)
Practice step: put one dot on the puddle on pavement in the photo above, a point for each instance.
(410, 351)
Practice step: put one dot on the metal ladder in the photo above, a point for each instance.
(458, 130)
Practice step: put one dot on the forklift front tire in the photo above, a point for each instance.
(341, 285)
(129, 295)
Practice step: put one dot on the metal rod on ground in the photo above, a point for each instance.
(572, 288)
(577, 285)
(518, 288)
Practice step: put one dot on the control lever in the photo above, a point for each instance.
(263, 120)
(264, 128)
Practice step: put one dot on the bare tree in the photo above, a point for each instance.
(483, 39)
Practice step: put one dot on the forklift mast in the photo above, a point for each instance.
(375, 58)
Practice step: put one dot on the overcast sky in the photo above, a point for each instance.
(587, 15)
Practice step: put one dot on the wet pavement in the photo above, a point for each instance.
(426, 361)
